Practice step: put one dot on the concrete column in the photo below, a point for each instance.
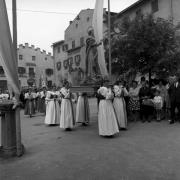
(8, 134)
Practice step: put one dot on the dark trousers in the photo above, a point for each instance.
(175, 105)
(145, 112)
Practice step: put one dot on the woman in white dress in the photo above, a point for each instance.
(52, 109)
(107, 121)
(82, 109)
(67, 116)
(120, 105)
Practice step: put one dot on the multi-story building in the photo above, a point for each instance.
(60, 55)
(72, 51)
(34, 67)
(166, 9)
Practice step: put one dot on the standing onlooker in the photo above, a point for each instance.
(174, 94)
(145, 94)
(134, 105)
(163, 93)
(158, 104)
(29, 107)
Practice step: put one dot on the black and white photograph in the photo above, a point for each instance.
(89, 89)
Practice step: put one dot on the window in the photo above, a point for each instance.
(138, 12)
(73, 44)
(70, 60)
(33, 58)
(20, 57)
(154, 6)
(82, 41)
(31, 72)
(76, 25)
(58, 65)
(65, 47)
(21, 70)
(59, 49)
(49, 72)
(88, 18)
(45, 58)
(78, 18)
(77, 60)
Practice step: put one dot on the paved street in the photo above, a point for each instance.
(147, 151)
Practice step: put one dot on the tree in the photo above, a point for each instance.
(143, 42)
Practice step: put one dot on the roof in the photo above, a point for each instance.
(58, 43)
(130, 7)
(78, 16)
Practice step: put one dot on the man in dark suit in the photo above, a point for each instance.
(144, 94)
(174, 95)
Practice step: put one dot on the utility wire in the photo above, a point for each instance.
(46, 12)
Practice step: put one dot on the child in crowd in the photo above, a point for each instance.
(158, 104)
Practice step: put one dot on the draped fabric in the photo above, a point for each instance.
(7, 53)
(98, 33)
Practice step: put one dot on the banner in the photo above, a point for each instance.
(98, 33)
(7, 54)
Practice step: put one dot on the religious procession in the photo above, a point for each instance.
(118, 104)
(102, 102)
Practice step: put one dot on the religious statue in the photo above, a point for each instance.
(92, 66)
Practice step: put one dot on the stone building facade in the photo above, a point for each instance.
(166, 9)
(35, 67)
(71, 52)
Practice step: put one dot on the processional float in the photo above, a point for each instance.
(95, 65)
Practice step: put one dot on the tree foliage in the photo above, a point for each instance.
(143, 43)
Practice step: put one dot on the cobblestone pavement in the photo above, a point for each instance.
(147, 151)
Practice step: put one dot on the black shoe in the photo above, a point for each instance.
(123, 129)
(84, 124)
(68, 129)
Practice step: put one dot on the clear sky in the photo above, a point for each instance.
(44, 28)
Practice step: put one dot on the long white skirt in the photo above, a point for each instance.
(58, 112)
(67, 119)
(82, 110)
(52, 113)
(107, 121)
(120, 110)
